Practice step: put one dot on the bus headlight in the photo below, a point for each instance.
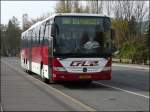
(107, 68)
(62, 69)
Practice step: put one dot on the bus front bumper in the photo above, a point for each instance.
(65, 76)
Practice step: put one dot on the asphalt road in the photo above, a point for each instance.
(127, 91)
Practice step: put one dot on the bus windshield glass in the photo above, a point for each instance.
(82, 36)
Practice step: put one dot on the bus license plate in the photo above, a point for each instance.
(85, 76)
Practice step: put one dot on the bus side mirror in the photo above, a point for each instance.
(113, 34)
(54, 30)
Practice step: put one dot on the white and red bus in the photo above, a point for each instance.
(69, 47)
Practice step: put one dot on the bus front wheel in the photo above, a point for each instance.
(86, 82)
(45, 80)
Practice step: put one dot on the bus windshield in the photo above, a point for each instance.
(82, 36)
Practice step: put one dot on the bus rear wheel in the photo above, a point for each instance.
(51, 81)
(29, 72)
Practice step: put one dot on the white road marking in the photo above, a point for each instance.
(1, 108)
(58, 91)
(122, 89)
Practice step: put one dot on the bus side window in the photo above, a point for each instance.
(34, 37)
(39, 30)
(46, 36)
(22, 41)
(41, 34)
(25, 41)
(29, 38)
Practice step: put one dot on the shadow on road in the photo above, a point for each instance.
(84, 86)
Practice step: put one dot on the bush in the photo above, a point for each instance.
(127, 51)
(137, 52)
(141, 54)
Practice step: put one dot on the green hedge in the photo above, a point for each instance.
(137, 52)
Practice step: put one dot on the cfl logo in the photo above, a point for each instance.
(84, 63)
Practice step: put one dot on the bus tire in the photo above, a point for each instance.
(45, 80)
(51, 81)
(29, 72)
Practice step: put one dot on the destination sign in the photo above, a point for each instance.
(80, 21)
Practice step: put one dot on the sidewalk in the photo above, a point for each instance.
(146, 67)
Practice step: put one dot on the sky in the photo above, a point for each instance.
(18, 8)
(34, 9)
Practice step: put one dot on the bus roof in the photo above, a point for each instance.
(74, 14)
(78, 14)
(65, 14)
(34, 25)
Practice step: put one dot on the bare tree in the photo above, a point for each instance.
(140, 12)
(118, 11)
(127, 7)
(64, 6)
(124, 9)
(109, 5)
(68, 5)
(35, 20)
(86, 9)
(96, 6)
(77, 7)
(60, 7)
